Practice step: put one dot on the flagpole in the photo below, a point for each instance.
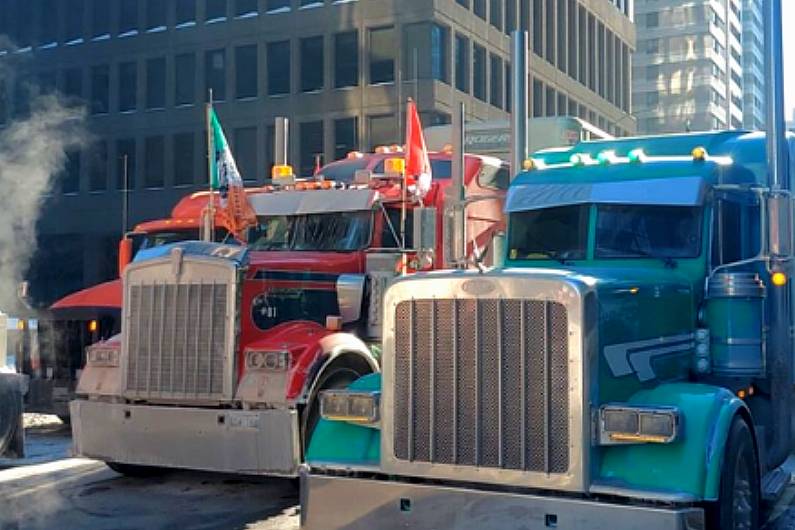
(404, 262)
(210, 222)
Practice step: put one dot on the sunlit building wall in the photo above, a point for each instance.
(688, 66)
(753, 65)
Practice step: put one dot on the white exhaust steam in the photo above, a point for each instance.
(33, 152)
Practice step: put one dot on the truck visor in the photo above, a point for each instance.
(312, 202)
(235, 253)
(680, 191)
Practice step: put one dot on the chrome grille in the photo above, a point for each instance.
(482, 382)
(176, 340)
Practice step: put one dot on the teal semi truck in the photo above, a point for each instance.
(630, 365)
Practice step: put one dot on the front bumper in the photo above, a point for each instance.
(330, 503)
(262, 442)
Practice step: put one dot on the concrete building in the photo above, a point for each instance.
(688, 67)
(753, 45)
(339, 69)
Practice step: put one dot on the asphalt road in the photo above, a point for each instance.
(55, 491)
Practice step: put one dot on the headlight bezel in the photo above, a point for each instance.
(351, 406)
(641, 424)
(273, 361)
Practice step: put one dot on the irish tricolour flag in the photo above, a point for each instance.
(225, 178)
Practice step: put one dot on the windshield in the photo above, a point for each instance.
(559, 233)
(158, 239)
(338, 232)
(440, 168)
(630, 231)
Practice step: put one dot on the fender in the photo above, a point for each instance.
(689, 467)
(337, 443)
(330, 348)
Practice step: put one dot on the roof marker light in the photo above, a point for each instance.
(577, 159)
(529, 164)
(636, 156)
(699, 154)
(606, 158)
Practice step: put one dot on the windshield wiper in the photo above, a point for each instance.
(561, 257)
(668, 261)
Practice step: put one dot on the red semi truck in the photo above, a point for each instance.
(224, 349)
(56, 352)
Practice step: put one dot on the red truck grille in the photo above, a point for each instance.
(482, 382)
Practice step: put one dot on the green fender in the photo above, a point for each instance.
(339, 444)
(692, 464)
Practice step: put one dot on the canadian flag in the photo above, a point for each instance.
(418, 165)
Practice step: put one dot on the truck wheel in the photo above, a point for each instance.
(131, 470)
(340, 377)
(738, 505)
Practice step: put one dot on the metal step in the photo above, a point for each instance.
(773, 484)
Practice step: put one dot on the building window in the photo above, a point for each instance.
(573, 39)
(98, 174)
(156, 15)
(279, 68)
(73, 86)
(462, 63)
(507, 91)
(128, 86)
(128, 17)
(277, 6)
(73, 31)
(582, 40)
(185, 82)
(549, 31)
(246, 8)
(70, 180)
(652, 19)
(524, 15)
(47, 28)
(100, 87)
(382, 55)
(383, 130)
(346, 137)
(312, 66)
(562, 104)
(550, 101)
(154, 170)
(269, 151)
(22, 95)
(496, 81)
(3, 102)
(538, 28)
(216, 11)
(156, 83)
(215, 74)
(311, 146)
(495, 14)
(246, 153)
(46, 83)
(100, 19)
(479, 7)
(346, 59)
(125, 161)
(538, 98)
(183, 159)
(185, 13)
(246, 71)
(562, 44)
(479, 72)
(440, 38)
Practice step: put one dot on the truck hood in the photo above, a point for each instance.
(314, 262)
(104, 295)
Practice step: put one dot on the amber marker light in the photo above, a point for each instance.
(699, 154)
(93, 326)
(779, 279)
(395, 166)
(528, 164)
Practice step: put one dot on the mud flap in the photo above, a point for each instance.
(12, 432)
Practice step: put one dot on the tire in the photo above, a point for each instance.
(131, 470)
(738, 506)
(338, 378)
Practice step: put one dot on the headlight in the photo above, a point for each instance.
(354, 407)
(625, 424)
(107, 357)
(269, 361)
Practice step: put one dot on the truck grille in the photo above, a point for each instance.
(176, 340)
(482, 382)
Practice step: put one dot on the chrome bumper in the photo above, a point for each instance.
(263, 442)
(330, 503)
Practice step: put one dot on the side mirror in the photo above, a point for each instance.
(779, 225)
(125, 254)
(425, 230)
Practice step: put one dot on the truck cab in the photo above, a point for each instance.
(629, 366)
(224, 349)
